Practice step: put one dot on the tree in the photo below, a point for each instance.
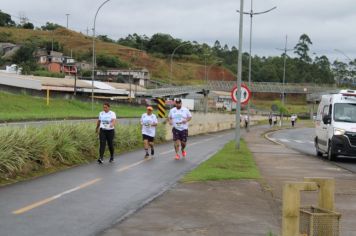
(105, 38)
(5, 20)
(340, 71)
(110, 61)
(302, 48)
(163, 43)
(28, 25)
(24, 57)
(50, 26)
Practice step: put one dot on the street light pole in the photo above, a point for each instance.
(284, 73)
(251, 13)
(93, 67)
(238, 82)
(171, 74)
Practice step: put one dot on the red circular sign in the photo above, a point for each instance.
(245, 94)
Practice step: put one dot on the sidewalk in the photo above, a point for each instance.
(243, 207)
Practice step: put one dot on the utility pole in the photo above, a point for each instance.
(239, 74)
(285, 49)
(251, 13)
(67, 19)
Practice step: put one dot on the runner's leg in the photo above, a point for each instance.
(102, 139)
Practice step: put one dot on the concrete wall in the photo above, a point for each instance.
(202, 123)
(205, 123)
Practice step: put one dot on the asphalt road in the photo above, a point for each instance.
(89, 199)
(301, 140)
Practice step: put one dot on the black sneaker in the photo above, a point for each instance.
(152, 152)
(100, 160)
(147, 155)
(111, 159)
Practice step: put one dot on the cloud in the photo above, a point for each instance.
(329, 23)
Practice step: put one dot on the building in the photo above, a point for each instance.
(55, 62)
(140, 77)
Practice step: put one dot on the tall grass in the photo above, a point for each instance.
(24, 151)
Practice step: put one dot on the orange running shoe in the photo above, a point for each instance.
(184, 153)
(177, 156)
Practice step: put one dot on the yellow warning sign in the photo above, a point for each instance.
(161, 105)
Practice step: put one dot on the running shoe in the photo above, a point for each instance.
(147, 155)
(111, 159)
(184, 153)
(152, 152)
(177, 157)
(100, 160)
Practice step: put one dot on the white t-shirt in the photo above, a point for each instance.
(105, 119)
(147, 121)
(178, 116)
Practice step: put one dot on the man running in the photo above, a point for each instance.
(148, 122)
(179, 117)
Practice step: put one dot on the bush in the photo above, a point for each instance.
(48, 74)
(27, 150)
(110, 61)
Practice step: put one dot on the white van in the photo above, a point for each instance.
(335, 125)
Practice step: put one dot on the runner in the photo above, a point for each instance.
(106, 123)
(148, 122)
(270, 119)
(179, 117)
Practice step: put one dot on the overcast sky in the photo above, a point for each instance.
(329, 23)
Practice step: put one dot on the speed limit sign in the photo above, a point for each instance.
(245, 94)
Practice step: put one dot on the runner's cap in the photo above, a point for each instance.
(178, 100)
(150, 108)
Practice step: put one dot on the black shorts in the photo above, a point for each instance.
(181, 135)
(147, 137)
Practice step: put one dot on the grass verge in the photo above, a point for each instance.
(15, 107)
(227, 164)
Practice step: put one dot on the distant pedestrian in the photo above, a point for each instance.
(275, 120)
(270, 119)
(149, 122)
(105, 126)
(246, 120)
(179, 117)
(293, 119)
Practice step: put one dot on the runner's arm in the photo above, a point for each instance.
(97, 126)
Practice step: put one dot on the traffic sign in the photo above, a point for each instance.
(245, 94)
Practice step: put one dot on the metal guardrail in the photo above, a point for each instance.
(174, 91)
(271, 87)
(259, 87)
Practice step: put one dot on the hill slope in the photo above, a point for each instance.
(184, 72)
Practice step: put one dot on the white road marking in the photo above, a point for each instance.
(298, 141)
(284, 140)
